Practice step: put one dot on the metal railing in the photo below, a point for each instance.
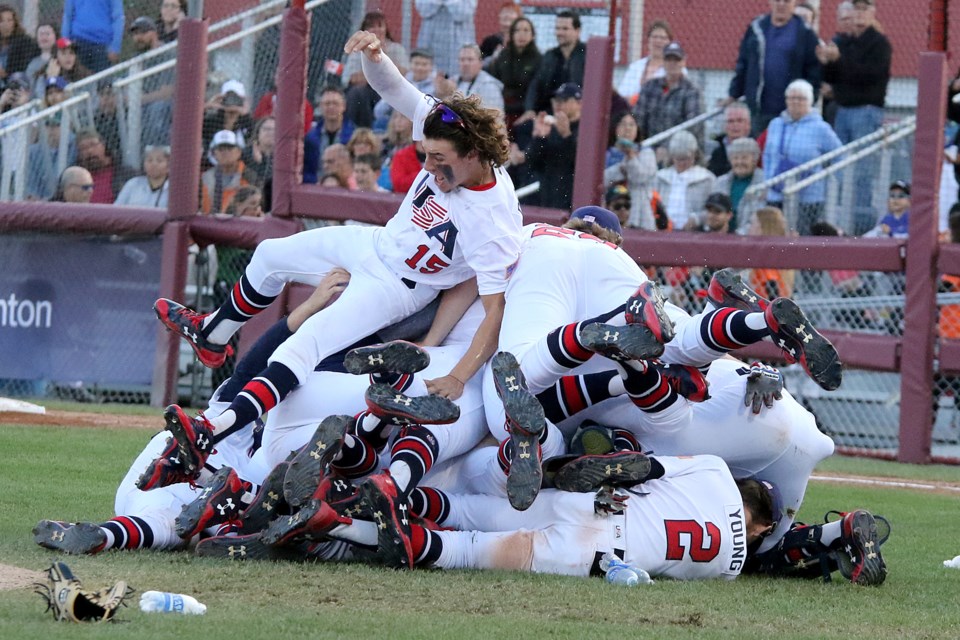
(655, 140)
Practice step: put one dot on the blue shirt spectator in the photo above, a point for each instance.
(96, 27)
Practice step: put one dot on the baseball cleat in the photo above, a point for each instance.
(308, 466)
(246, 547)
(589, 473)
(389, 512)
(76, 539)
(219, 502)
(859, 555)
(311, 522)
(390, 357)
(386, 402)
(164, 470)
(801, 342)
(646, 307)
(686, 380)
(269, 502)
(189, 324)
(194, 437)
(727, 289)
(335, 489)
(525, 422)
(629, 342)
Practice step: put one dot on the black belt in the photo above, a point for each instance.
(595, 569)
(410, 283)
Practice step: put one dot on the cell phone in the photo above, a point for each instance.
(549, 119)
(626, 144)
(232, 100)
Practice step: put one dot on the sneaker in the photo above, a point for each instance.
(309, 465)
(646, 307)
(268, 504)
(74, 538)
(629, 342)
(246, 547)
(727, 289)
(390, 513)
(801, 342)
(165, 470)
(219, 502)
(859, 553)
(386, 402)
(525, 422)
(309, 523)
(686, 380)
(390, 357)
(589, 473)
(194, 437)
(188, 323)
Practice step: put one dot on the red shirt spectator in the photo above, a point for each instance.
(404, 167)
(268, 102)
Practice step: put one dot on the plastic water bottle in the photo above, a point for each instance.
(163, 601)
(619, 572)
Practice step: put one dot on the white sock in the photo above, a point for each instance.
(224, 330)
(400, 471)
(361, 531)
(223, 421)
(756, 321)
(830, 532)
(615, 386)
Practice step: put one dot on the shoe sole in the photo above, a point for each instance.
(203, 512)
(393, 535)
(302, 525)
(305, 470)
(816, 354)
(247, 547)
(653, 311)
(83, 538)
(736, 293)
(267, 502)
(177, 421)
(589, 473)
(385, 401)
(527, 421)
(207, 357)
(872, 570)
(391, 357)
(629, 342)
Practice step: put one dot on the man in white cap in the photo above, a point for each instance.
(220, 183)
(228, 110)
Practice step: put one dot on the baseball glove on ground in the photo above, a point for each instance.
(68, 600)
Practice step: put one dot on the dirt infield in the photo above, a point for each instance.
(12, 577)
(83, 419)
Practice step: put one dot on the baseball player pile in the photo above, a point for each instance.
(551, 408)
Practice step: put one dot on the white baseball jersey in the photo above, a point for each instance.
(442, 239)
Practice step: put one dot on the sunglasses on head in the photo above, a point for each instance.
(449, 116)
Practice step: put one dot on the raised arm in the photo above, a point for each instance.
(382, 74)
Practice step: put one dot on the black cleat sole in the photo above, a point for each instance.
(797, 336)
(391, 357)
(305, 470)
(628, 342)
(589, 473)
(385, 401)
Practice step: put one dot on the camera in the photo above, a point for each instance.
(232, 100)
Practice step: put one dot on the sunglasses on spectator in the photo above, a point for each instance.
(85, 187)
(449, 116)
(620, 206)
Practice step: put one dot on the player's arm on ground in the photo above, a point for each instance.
(454, 302)
(481, 349)
(383, 75)
(324, 295)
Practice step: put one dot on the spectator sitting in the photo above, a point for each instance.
(108, 176)
(337, 160)
(399, 135)
(332, 180)
(331, 127)
(55, 91)
(364, 141)
(659, 35)
(258, 156)
(896, 224)
(716, 216)
(47, 43)
(553, 148)
(736, 125)
(744, 173)
(516, 66)
(97, 28)
(771, 283)
(472, 80)
(618, 200)
(494, 43)
(560, 65)
(227, 111)
(777, 48)
(420, 75)
(684, 185)
(151, 189)
(76, 186)
(630, 164)
(247, 203)
(17, 49)
(444, 26)
(105, 118)
(360, 98)
(64, 64)
(172, 12)
(366, 172)
(268, 102)
(405, 166)
(43, 159)
(219, 184)
(797, 136)
(157, 88)
(670, 100)
(16, 93)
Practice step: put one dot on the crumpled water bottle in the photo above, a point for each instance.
(619, 572)
(165, 602)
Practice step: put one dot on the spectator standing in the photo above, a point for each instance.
(744, 173)
(219, 184)
(17, 49)
(16, 141)
(776, 49)
(797, 136)
(420, 75)
(157, 88)
(684, 185)
(641, 71)
(46, 42)
(553, 149)
(516, 66)
(258, 155)
(472, 80)
(359, 96)
(445, 25)
(43, 160)
(494, 43)
(736, 125)
(670, 100)
(172, 12)
(561, 65)
(635, 168)
(64, 64)
(108, 175)
(106, 119)
(808, 13)
(330, 127)
(96, 26)
(844, 28)
(152, 189)
(76, 186)
(228, 111)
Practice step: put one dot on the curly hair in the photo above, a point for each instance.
(479, 129)
(594, 229)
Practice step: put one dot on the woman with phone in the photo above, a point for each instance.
(635, 167)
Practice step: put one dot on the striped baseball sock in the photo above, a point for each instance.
(648, 390)
(573, 394)
(427, 546)
(358, 452)
(413, 455)
(127, 532)
(243, 304)
(430, 503)
(727, 329)
(257, 397)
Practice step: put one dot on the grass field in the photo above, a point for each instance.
(71, 474)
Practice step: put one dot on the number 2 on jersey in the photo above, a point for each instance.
(676, 540)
